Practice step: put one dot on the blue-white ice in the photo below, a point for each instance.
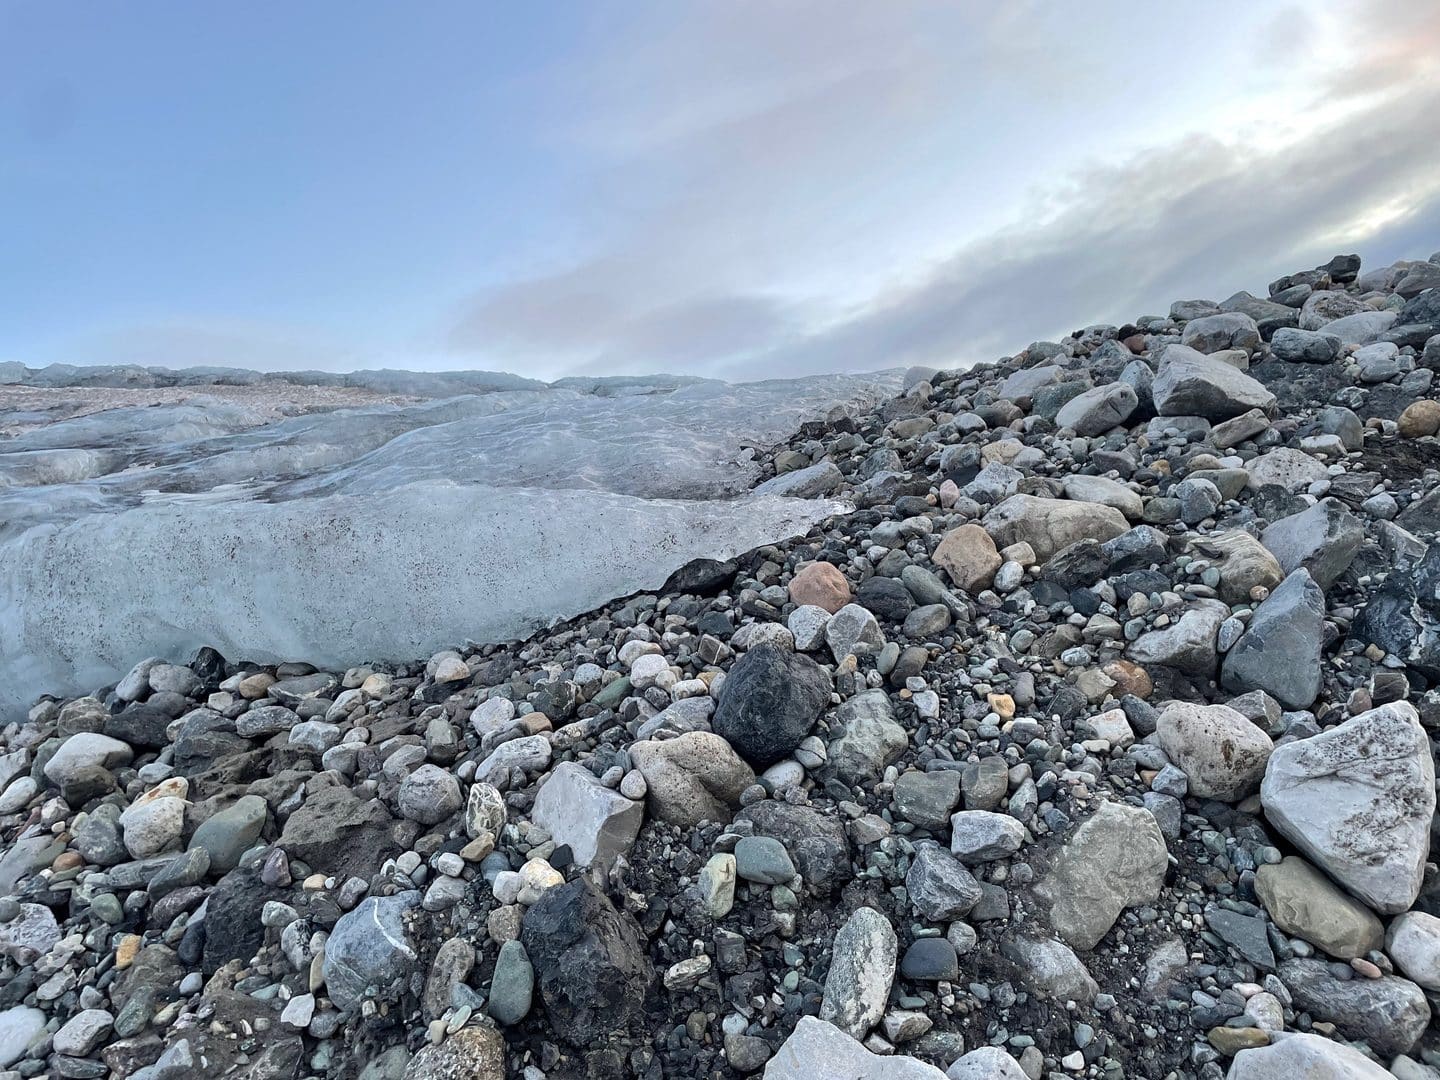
(377, 532)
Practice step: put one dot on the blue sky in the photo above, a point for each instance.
(741, 189)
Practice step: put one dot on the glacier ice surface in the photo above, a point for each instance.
(379, 532)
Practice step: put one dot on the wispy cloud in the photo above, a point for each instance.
(731, 275)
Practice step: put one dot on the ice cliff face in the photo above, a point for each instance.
(374, 532)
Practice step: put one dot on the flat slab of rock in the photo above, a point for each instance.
(1115, 860)
(1304, 1057)
(816, 1049)
(1358, 800)
(1190, 383)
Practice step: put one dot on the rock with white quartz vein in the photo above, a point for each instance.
(1358, 800)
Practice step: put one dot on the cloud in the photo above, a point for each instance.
(1198, 216)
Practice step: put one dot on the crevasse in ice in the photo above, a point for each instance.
(378, 532)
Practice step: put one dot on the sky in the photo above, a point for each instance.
(732, 188)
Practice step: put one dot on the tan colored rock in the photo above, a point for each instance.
(692, 778)
(821, 584)
(1420, 418)
(968, 554)
(1048, 525)
(1219, 749)
(1302, 901)
(1243, 561)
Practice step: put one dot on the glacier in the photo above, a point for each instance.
(384, 531)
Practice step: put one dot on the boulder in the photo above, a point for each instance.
(1221, 752)
(597, 822)
(821, 584)
(771, 699)
(1279, 652)
(1302, 901)
(1050, 969)
(1115, 860)
(816, 1049)
(1048, 525)
(429, 795)
(868, 739)
(1413, 942)
(1304, 1057)
(862, 967)
(369, 952)
(986, 1063)
(1097, 411)
(590, 961)
(1244, 563)
(1290, 469)
(969, 556)
(1389, 1013)
(1358, 799)
(939, 886)
(1322, 539)
(1226, 330)
(229, 833)
(475, 1052)
(85, 750)
(692, 778)
(1189, 383)
(1188, 643)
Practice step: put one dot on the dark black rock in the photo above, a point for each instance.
(206, 738)
(930, 960)
(590, 962)
(703, 577)
(233, 930)
(141, 726)
(770, 701)
(886, 597)
(1080, 565)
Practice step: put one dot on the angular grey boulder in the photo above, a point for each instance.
(1358, 801)
(1322, 539)
(1098, 410)
(1189, 383)
(1389, 1013)
(1279, 652)
(1115, 860)
(816, 1049)
(598, 823)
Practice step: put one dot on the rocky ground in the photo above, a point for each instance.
(1095, 742)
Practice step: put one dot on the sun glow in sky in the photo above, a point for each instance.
(740, 188)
